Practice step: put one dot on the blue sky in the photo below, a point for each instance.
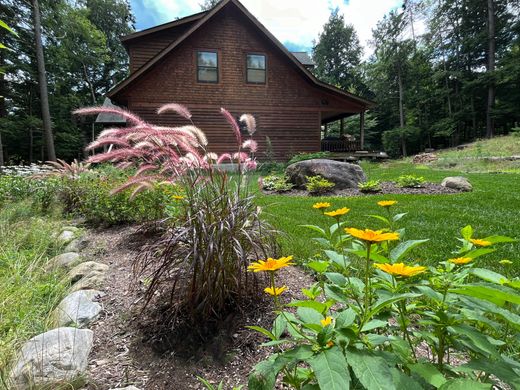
(296, 23)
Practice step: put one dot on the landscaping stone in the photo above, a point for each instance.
(66, 260)
(56, 359)
(87, 275)
(77, 245)
(458, 183)
(66, 236)
(424, 158)
(126, 388)
(344, 175)
(78, 309)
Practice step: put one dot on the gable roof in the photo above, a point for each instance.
(205, 16)
(303, 57)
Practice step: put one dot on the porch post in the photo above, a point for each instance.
(325, 131)
(362, 130)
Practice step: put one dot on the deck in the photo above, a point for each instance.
(348, 150)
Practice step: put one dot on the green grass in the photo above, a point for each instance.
(492, 208)
(27, 292)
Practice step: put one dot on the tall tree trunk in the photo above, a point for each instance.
(42, 81)
(401, 109)
(490, 123)
(3, 110)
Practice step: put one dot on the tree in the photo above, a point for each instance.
(42, 81)
(208, 4)
(337, 54)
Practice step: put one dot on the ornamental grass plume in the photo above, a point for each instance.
(400, 269)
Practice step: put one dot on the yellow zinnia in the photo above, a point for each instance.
(338, 212)
(479, 242)
(277, 290)
(387, 203)
(372, 236)
(326, 321)
(178, 197)
(399, 269)
(270, 264)
(460, 260)
(321, 205)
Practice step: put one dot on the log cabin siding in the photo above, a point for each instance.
(288, 107)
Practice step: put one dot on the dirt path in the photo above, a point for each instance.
(121, 356)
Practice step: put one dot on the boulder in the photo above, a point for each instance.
(78, 309)
(87, 275)
(56, 359)
(458, 183)
(77, 245)
(344, 175)
(126, 388)
(66, 236)
(65, 260)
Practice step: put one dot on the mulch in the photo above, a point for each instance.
(387, 187)
(123, 353)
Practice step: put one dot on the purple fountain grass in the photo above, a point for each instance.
(175, 107)
(233, 123)
(250, 122)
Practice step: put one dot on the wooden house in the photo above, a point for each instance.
(225, 57)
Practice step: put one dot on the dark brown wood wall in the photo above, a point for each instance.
(287, 108)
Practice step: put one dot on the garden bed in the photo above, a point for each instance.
(387, 187)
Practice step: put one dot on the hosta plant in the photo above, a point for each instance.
(379, 319)
(318, 184)
(410, 181)
(370, 186)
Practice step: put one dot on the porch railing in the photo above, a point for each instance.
(339, 145)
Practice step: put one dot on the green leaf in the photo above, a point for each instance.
(466, 232)
(264, 331)
(403, 381)
(335, 227)
(336, 293)
(403, 248)
(2, 46)
(318, 306)
(263, 376)
(345, 318)
(315, 229)
(429, 373)
(430, 293)
(489, 293)
(398, 217)
(489, 276)
(380, 217)
(499, 368)
(488, 307)
(464, 384)
(309, 315)
(338, 258)
(373, 255)
(318, 266)
(478, 342)
(479, 252)
(337, 279)
(372, 371)
(499, 239)
(279, 325)
(299, 353)
(5, 26)
(331, 369)
(374, 324)
(385, 302)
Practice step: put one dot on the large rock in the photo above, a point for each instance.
(66, 260)
(77, 245)
(56, 359)
(78, 309)
(344, 175)
(88, 275)
(66, 236)
(458, 183)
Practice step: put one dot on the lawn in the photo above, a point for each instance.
(492, 208)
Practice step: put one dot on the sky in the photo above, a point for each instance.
(296, 23)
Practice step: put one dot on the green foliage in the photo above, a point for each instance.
(308, 156)
(360, 325)
(276, 183)
(370, 186)
(318, 185)
(410, 181)
(515, 131)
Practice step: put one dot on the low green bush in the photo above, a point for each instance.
(276, 183)
(410, 181)
(370, 186)
(318, 185)
(308, 156)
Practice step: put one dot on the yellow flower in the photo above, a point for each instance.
(372, 235)
(270, 264)
(277, 291)
(399, 269)
(178, 197)
(387, 203)
(505, 262)
(330, 344)
(479, 242)
(460, 260)
(326, 321)
(321, 205)
(338, 212)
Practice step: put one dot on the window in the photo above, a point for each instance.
(207, 67)
(255, 68)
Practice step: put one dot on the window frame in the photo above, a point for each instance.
(248, 68)
(198, 67)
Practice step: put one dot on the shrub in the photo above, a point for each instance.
(308, 156)
(374, 308)
(515, 131)
(318, 185)
(410, 181)
(370, 186)
(202, 257)
(276, 183)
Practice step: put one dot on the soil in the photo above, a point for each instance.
(387, 187)
(129, 348)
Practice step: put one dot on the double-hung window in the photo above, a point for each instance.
(256, 68)
(207, 67)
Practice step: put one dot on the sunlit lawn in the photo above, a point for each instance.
(492, 208)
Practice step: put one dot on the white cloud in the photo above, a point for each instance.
(296, 21)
